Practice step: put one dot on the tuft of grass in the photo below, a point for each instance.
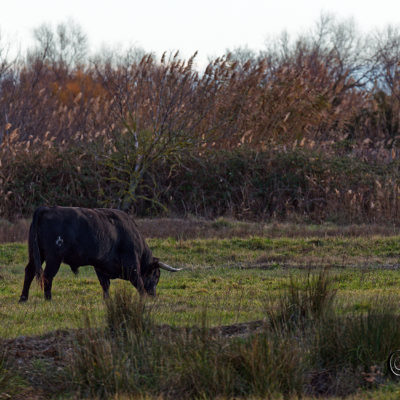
(360, 339)
(127, 311)
(309, 298)
(122, 357)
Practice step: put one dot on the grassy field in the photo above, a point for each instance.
(229, 277)
(223, 282)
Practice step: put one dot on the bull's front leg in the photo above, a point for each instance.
(131, 272)
(140, 285)
(136, 280)
(104, 282)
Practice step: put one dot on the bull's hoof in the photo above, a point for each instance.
(23, 299)
(47, 296)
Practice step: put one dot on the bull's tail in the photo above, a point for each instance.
(34, 252)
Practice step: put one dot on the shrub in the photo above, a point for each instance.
(304, 300)
(245, 184)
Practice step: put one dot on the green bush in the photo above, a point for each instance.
(244, 184)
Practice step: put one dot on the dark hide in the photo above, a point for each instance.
(104, 238)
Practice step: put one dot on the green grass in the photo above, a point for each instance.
(229, 277)
(338, 251)
(231, 280)
(13, 253)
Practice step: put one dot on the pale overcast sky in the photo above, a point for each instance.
(209, 26)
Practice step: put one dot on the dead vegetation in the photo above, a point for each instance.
(196, 228)
(134, 132)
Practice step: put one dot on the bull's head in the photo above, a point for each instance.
(152, 275)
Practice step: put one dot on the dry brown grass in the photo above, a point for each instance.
(16, 231)
(195, 228)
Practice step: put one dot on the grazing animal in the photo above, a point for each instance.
(107, 239)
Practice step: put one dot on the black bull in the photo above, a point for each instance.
(104, 238)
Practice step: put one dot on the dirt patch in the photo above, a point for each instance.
(238, 330)
(40, 361)
(52, 347)
(48, 347)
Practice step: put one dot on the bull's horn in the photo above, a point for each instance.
(168, 267)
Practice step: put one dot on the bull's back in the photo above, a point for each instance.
(77, 235)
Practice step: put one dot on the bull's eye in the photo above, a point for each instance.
(59, 241)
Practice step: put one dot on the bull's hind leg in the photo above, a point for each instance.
(29, 275)
(104, 282)
(52, 267)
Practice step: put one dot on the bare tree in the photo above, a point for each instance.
(384, 115)
(65, 46)
(387, 54)
(6, 75)
(157, 108)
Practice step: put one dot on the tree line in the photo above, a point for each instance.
(332, 90)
